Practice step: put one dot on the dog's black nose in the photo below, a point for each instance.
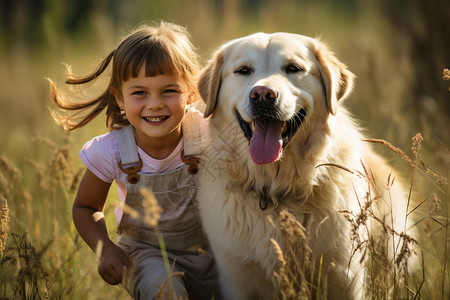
(263, 93)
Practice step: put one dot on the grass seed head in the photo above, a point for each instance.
(151, 207)
(4, 224)
(61, 166)
(9, 169)
(434, 205)
(279, 253)
(446, 76)
(417, 146)
(291, 227)
(129, 211)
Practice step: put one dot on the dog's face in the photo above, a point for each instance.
(272, 84)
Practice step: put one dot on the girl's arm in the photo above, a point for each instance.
(87, 213)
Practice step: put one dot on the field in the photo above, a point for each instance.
(398, 51)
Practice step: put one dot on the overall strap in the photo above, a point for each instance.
(130, 162)
(192, 138)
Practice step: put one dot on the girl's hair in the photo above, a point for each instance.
(163, 50)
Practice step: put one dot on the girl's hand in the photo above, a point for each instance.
(113, 262)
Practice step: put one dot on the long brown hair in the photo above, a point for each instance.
(163, 50)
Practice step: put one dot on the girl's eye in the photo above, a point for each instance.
(244, 70)
(169, 91)
(139, 93)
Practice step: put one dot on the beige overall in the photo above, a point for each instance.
(179, 225)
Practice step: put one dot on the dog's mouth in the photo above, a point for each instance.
(267, 136)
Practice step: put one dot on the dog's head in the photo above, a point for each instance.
(271, 84)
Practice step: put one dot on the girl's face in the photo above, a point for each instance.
(155, 106)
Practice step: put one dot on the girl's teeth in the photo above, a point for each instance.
(155, 119)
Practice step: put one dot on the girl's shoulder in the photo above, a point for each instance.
(101, 156)
(105, 143)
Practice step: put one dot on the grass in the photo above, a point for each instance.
(41, 254)
(298, 277)
(44, 256)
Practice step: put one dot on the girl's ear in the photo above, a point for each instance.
(192, 97)
(118, 96)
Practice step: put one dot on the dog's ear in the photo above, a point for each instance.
(209, 82)
(336, 78)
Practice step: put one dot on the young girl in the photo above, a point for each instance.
(153, 140)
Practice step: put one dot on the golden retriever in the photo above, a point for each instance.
(281, 141)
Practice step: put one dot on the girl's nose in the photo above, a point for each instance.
(155, 102)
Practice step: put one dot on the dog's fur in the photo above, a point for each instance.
(321, 174)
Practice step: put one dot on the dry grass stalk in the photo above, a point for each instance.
(386, 278)
(129, 211)
(151, 214)
(41, 174)
(295, 276)
(393, 148)
(152, 210)
(446, 76)
(99, 250)
(30, 279)
(9, 169)
(61, 166)
(282, 276)
(417, 146)
(4, 224)
(45, 141)
(439, 180)
(165, 292)
(10, 176)
(434, 206)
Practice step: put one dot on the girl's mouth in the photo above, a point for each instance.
(155, 119)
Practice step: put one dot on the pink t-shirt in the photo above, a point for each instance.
(101, 156)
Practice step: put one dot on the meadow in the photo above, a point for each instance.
(398, 52)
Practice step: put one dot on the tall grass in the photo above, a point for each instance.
(299, 276)
(56, 266)
(42, 256)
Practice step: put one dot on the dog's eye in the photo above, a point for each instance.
(293, 68)
(244, 70)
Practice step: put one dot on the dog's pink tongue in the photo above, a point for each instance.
(266, 142)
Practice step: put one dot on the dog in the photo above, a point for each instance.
(281, 141)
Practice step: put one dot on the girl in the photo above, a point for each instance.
(152, 132)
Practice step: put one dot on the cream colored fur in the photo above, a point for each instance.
(306, 180)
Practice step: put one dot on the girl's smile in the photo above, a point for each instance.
(155, 120)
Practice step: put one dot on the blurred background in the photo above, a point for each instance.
(397, 49)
